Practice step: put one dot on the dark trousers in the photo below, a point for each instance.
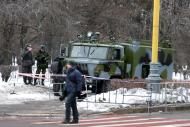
(58, 84)
(38, 71)
(71, 104)
(27, 79)
(56, 87)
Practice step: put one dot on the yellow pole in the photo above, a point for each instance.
(155, 34)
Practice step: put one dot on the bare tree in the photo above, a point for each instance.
(52, 22)
(175, 27)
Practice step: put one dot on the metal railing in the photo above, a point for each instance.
(172, 94)
(133, 93)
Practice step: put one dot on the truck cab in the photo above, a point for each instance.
(97, 60)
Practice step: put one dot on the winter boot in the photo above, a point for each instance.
(30, 82)
(25, 80)
(42, 82)
(66, 121)
(74, 121)
(35, 82)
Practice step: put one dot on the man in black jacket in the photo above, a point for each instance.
(27, 63)
(57, 70)
(42, 58)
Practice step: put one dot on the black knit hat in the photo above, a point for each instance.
(42, 47)
(28, 46)
(71, 63)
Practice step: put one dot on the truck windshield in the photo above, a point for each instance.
(98, 52)
(89, 51)
(80, 51)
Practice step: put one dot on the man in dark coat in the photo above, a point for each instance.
(73, 88)
(57, 70)
(27, 63)
(42, 58)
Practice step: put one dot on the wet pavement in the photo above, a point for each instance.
(51, 113)
(36, 108)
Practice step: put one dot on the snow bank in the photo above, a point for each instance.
(15, 92)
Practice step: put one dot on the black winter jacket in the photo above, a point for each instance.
(27, 58)
(73, 80)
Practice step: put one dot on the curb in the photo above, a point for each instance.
(163, 108)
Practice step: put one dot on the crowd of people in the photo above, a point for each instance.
(70, 85)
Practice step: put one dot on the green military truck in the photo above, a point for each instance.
(109, 60)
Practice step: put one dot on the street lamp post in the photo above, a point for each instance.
(154, 76)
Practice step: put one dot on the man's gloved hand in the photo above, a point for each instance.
(61, 98)
(64, 93)
(78, 94)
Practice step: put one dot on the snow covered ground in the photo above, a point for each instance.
(15, 92)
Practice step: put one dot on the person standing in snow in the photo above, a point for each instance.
(27, 63)
(72, 90)
(42, 58)
(57, 70)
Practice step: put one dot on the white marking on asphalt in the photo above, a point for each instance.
(139, 123)
(86, 120)
(47, 122)
(111, 118)
(116, 121)
(174, 125)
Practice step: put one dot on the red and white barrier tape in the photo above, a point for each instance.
(40, 76)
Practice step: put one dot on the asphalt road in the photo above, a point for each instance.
(33, 107)
(36, 108)
(50, 114)
(172, 119)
